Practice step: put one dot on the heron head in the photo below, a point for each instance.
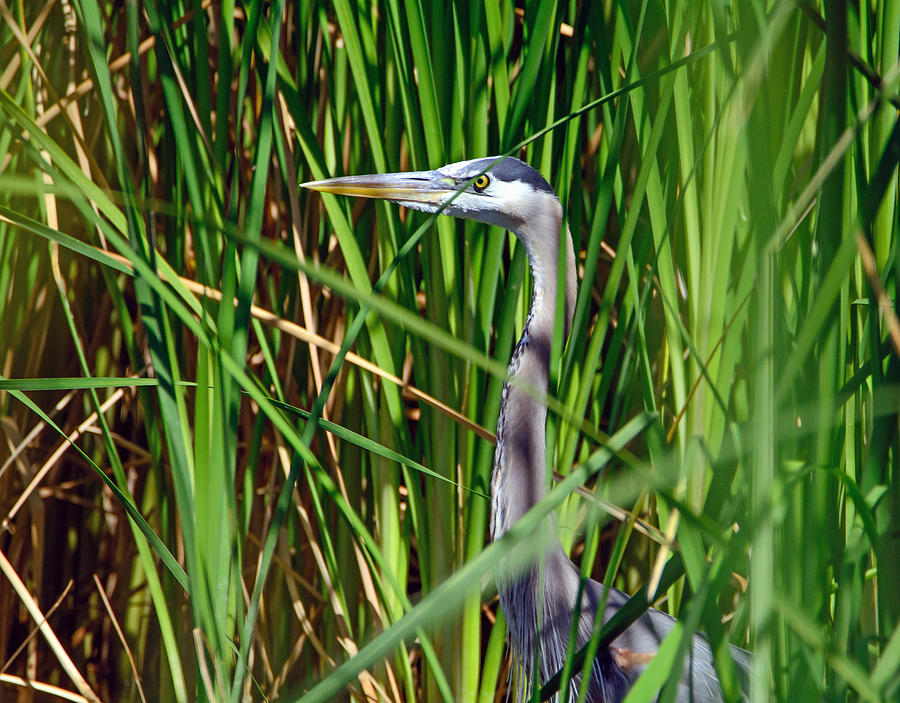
(497, 190)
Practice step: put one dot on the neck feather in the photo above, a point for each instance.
(519, 471)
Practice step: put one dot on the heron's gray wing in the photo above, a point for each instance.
(633, 649)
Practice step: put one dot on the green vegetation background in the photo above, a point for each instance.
(176, 527)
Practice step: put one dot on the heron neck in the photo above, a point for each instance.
(519, 475)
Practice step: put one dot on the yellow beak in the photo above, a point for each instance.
(423, 187)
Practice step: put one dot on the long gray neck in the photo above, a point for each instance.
(519, 473)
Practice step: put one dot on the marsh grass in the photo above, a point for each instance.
(285, 497)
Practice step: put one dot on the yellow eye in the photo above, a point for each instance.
(480, 183)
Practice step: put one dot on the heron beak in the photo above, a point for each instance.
(419, 187)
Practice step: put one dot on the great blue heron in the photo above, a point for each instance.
(538, 604)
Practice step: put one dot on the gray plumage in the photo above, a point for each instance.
(539, 601)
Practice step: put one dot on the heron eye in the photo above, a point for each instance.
(480, 183)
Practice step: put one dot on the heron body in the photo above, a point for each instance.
(539, 602)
